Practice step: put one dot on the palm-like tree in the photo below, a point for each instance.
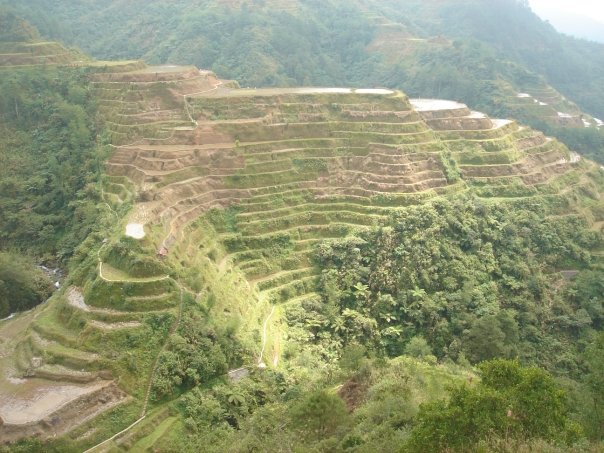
(236, 399)
(361, 291)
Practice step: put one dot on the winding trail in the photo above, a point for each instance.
(172, 330)
(261, 363)
(115, 436)
(130, 280)
(127, 280)
(113, 211)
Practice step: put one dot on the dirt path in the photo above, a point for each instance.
(115, 436)
(261, 363)
(173, 328)
(125, 280)
(184, 98)
(107, 204)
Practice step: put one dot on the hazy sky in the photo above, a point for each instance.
(589, 8)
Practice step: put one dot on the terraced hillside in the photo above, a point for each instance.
(41, 54)
(541, 102)
(33, 54)
(265, 175)
(224, 193)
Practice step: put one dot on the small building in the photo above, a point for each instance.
(238, 374)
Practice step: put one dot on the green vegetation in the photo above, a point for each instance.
(460, 278)
(475, 279)
(14, 28)
(50, 162)
(593, 415)
(587, 141)
(195, 354)
(483, 53)
(134, 259)
(510, 403)
(254, 45)
(402, 405)
(21, 285)
(339, 273)
(50, 165)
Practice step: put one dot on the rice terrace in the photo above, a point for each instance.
(301, 268)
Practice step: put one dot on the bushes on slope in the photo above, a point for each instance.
(22, 285)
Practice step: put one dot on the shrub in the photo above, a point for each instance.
(511, 402)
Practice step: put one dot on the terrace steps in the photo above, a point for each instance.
(309, 165)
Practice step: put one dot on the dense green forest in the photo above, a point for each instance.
(471, 278)
(324, 45)
(50, 164)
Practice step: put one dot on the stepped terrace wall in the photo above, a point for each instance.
(304, 164)
(235, 189)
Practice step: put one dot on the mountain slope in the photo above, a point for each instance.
(14, 28)
(572, 66)
(231, 207)
(250, 266)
